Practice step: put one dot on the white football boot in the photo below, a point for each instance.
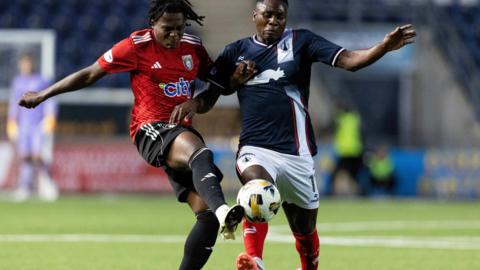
(229, 219)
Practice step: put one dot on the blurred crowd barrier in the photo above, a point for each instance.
(90, 167)
(451, 173)
(94, 167)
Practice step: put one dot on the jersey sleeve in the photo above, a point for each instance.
(320, 49)
(223, 68)
(120, 58)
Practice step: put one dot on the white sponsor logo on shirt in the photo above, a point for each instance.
(266, 76)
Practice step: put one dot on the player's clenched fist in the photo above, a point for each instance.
(30, 100)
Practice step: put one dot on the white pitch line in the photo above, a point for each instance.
(388, 226)
(281, 234)
(432, 242)
(99, 238)
(445, 243)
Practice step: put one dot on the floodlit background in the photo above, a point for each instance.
(421, 104)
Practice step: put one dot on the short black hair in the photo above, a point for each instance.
(159, 7)
(283, 1)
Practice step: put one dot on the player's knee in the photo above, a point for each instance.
(302, 221)
(203, 155)
(303, 229)
(308, 227)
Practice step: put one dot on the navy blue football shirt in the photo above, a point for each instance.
(274, 102)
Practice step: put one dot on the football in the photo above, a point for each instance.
(261, 200)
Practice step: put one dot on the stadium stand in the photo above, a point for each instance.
(467, 22)
(465, 16)
(103, 23)
(100, 23)
(458, 36)
(365, 11)
(455, 23)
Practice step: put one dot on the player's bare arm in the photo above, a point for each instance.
(200, 104)
(72, 82)
(357, 59)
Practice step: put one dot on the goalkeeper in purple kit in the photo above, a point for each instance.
(32, 133)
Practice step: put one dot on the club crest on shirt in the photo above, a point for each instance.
(188, 61)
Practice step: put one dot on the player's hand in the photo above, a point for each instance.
(242, 74)
(31, 100)
(184, 112)
(399, 37)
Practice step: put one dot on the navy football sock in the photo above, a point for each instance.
(205, 179)
(200, 241)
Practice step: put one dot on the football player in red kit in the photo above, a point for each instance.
(163, 63)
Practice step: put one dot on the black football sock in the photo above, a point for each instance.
(205, 179)
(200, 241)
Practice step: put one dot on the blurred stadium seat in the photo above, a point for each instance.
(466, 17)
(348, 10)
(85, 28)
(467, 21)
(105, 22)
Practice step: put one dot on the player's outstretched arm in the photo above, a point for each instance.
(72, 82)
(357, 59)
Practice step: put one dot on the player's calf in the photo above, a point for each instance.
(200, 241)
(254, 235)
(308, 247)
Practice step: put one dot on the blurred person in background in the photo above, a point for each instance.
(381, 170)
(271, 73)
(32, 133)
(163, 63)
(348, 146)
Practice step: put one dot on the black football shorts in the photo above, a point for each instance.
(153, 142)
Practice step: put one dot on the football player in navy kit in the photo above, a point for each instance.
(270, 72)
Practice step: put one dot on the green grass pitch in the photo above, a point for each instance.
(124, 232)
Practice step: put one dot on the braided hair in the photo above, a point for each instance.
(159, 7)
